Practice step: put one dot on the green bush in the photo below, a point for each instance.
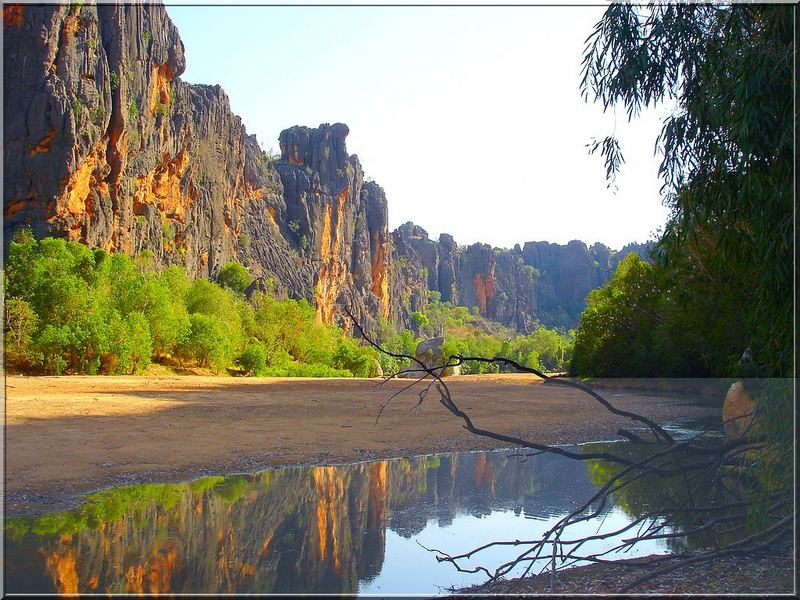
(234, 276)
(253, 360)
(208, 342)
(355, 359)
(71, 309)
(20, 324)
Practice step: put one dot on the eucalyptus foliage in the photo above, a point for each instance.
(727, 146)
(724, 274)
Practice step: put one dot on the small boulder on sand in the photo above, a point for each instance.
(430, 353)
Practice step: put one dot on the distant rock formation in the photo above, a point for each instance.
(541, 283)
(104, 144)
(567, 273)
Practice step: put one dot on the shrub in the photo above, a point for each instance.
(141, 342)
(77, 108)
(20, 324)
(253, 360)
(234, 276)
(354, 359)
(207, 342)
(420, 319)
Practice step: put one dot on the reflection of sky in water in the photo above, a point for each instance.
(331, 529)
(427, 576)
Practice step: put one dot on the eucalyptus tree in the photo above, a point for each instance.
(728, 170)
(727, 146)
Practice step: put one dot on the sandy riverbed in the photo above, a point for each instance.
(65, 436)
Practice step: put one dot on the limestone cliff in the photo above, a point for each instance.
(336, 223)
(540, 283)
(106, 145)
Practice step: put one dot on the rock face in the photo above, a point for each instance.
(335, 223)
(568, 273)
(541, 283)
(104, 144)
(496, 281)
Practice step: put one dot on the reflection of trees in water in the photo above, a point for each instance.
(680, 493)
(291, 530)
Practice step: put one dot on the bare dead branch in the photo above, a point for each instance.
(681, 513)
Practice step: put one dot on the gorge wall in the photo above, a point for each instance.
(106, 145)
(540, 283)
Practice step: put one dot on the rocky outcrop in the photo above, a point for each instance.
(336, 223)
(567, 273)
(495, 281)
(430, 353)
(541, 283)
(106, 145)
(737, 411)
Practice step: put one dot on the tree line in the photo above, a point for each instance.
(71, 309)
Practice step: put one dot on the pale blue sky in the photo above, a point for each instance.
(469, 117)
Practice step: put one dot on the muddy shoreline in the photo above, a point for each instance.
(69, 436)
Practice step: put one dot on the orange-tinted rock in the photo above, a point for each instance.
(62, 565)
(13, 15)
(159, 92)
(43, 145)
(337, 224)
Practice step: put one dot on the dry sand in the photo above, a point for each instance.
(65, 436)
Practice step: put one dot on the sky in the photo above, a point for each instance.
(470, 118)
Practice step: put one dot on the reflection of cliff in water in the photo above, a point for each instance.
(441, 487)
(318, 529)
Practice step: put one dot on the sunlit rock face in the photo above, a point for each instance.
(336, 223)
(104, 144)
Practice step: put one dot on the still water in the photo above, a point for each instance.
(357, 528)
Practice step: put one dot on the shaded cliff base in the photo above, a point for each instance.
(67, 436)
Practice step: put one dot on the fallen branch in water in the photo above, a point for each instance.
(708, 506)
